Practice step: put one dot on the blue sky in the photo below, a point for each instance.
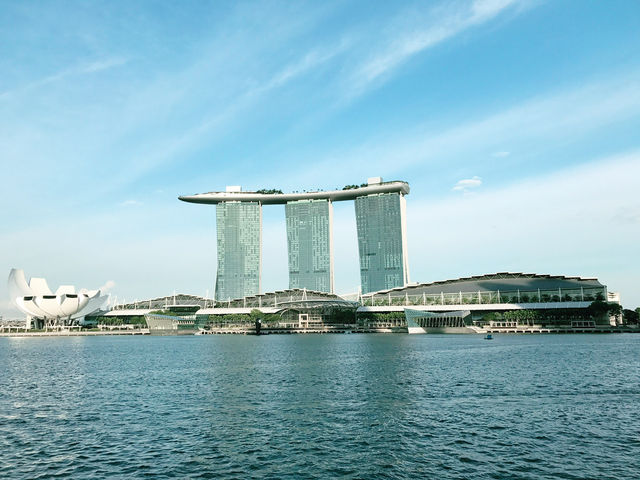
(515, 122)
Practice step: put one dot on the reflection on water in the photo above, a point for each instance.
(320, 406)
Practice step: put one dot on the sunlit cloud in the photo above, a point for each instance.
(467, 184)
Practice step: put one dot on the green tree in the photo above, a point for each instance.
(600, 308)
(614, 309)
(491, 316)
(631, 316)
(597, 308)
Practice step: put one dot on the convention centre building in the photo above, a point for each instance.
(501, 302)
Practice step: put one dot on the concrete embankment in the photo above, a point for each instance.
(534, 330)
(76, 333)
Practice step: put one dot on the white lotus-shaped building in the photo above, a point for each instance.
(36, 299)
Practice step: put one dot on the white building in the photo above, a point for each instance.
(43, 307)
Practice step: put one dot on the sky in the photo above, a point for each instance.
(515, 122)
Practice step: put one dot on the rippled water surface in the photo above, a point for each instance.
(321, 406)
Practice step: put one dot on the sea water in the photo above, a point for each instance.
(321, 406)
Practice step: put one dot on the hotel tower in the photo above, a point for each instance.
(380, 209)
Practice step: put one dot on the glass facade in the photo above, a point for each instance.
(239, 226)
(309, 244)
(381, 242)
(584, 294)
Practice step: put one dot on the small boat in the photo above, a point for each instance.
(488, 337)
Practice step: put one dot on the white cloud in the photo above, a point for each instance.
(467, 184)
(109, 284)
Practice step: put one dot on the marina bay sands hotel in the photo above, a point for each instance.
(381, 224)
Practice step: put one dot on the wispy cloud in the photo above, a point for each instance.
(310, 60)
(467, 185)
(193, 106)
(538, 124)
(82, 68)
(130, 203)
(214, 124)
(414, 32)
(100, 65)
(501, 154)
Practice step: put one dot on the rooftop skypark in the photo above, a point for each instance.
(276, 197)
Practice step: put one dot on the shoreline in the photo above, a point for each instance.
(145, 331)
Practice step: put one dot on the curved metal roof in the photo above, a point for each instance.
(277, 297)
(505, 281)
(317, 303)
(177, 299)
(282, 198)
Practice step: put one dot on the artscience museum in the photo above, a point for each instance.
(44, 308)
